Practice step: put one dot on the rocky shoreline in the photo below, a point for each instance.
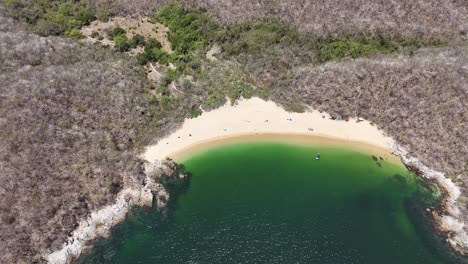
(100, 223)
(448, 218)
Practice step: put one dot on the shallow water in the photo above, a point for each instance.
(275, 203)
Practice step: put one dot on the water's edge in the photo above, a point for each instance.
(446, 218)
(101, 222)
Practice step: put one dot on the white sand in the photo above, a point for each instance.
(249, 117)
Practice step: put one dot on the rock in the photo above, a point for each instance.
(162, 198)
(146, 198)
(100, 223)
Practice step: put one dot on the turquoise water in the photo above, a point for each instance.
(274, 203)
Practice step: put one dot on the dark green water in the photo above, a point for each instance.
(274, 203)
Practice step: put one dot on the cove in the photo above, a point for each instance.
(272, 202)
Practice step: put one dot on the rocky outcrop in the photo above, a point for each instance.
(450, 219)
(160, 172)
(100, 223)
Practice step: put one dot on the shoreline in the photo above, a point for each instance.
(247, 121)
(256, 116)
(448, 217)
(259, 119)
(296, 139)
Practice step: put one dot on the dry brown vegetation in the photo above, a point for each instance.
(420, 100)
(401, 17)
(73, 116)
(68, 113)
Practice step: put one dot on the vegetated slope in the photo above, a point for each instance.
(71, 118)
(337, 17)
(421, 100)
(72, 115)
(401, 17)
(67, 119)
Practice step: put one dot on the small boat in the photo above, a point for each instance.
(318, 156)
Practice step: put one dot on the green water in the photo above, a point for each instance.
(274, 203)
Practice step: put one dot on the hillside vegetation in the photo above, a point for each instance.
(75, 115)
(68, 114)
(337, 17)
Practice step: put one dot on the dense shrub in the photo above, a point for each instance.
(190, 29)
(52, 17)
(121, 43)
(153, 55)
(116, 31)
(138, 40)
(153, 43)
(75, 34)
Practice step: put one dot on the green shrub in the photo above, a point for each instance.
(117, 31)
(195, 111)
(190, 29)
(142, 58)
(54, 17)
(121, 43)
(340, 48)
(170, 76)
(137, 40)
(75, 34)
(165, 101)
(215, 99)
(153, 55)
(248, 92)
(153, 43)
(163, 89)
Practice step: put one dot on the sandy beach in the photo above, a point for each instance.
(255, 119)
(263, 119)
